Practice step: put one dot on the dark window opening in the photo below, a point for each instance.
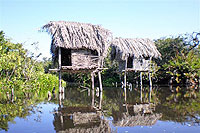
(130, 62)
(146, 58)
(66, 57)
(113, 53)
(94, 52)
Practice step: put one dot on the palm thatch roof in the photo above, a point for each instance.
(137, 47)
(74, 35)
(103, 127)
(138, 120)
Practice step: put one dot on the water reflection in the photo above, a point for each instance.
(138, 114)
(95, 111)
(81, 119)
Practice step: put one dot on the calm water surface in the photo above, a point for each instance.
(164, 109)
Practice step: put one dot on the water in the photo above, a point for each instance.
(164, 109)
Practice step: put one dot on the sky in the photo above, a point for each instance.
(21, 19)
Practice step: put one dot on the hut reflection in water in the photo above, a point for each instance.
(139, 114)
(91, 118)
(81, 119)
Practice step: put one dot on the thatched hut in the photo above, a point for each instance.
(138, 120)
(80, 120)
(78, 46)
(136, 115)
(82, 45)
(134, 54)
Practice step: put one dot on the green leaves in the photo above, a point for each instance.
(178, 62)
(19, 71)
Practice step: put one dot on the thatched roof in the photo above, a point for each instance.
(102, 128)
(137, 115)
(137, 47)
(74, 35)
(138, 120)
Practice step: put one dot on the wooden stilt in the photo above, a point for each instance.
(125, 73)
(140, 78)
(150, 94)
(63, 93)
(92, 80)
(60, 76)
(125, 95)
(125, 79)
(150, 86)
(100, 81)
(60, 100)
(100, 99)
(60, 108)
(150, 81)
(141, 86)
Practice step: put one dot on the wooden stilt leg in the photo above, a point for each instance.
(141, 86)
(100, 99)
(150, 86)
(125, 86)
(140, 78)
(92, 80)
(125, 78)
(60, 76)
(63, 92)
(100, 81)
(60, 82)
(150, 81)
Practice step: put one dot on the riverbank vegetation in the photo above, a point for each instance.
(180, 62)
(20, 69)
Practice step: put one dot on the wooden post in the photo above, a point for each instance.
(150, 86)
(100, 99)
(92, 80)
(141, 86)
(60, 108)
(63, 91)
(150, 81)
(60, 76)
(125, 73)
(150, 94)
(125, 79)
(100, 81)
(140, 78)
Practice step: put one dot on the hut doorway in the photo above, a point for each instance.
(66, 57)
(130, 62)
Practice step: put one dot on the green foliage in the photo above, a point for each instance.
(47, 64)
(169, 47)
(18, 70)
(110, 75)
(184, 66)
(179, 63)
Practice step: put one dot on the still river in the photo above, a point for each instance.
(161, 110)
